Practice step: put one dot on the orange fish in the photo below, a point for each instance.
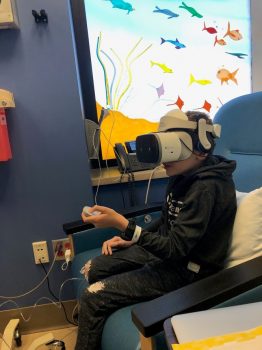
(233, 34)
(219, 41)
(224, 75)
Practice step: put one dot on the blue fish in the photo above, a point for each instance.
(237, 54)
(122, 5)
(176, 42)
(167, 12)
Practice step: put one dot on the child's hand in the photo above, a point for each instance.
(115, 242)
(107, 218)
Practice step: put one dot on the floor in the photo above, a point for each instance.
(67, 335)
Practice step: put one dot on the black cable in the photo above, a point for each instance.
(131, 188)
(121, 190)
(56, 298)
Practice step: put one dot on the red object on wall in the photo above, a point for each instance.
(5, 149)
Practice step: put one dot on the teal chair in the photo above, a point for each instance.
(87, 242)
(241, 140)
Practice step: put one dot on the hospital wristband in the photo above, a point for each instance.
(136, 234)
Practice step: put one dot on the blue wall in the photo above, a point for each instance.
(47, 182)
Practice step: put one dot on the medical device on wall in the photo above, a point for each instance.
(164, 147)
(6, 101)
(8, 14)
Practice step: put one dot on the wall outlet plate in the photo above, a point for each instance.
(40, 252)
(60, 246)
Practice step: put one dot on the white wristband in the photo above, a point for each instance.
(136, 234)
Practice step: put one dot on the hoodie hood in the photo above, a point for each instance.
(215, 166)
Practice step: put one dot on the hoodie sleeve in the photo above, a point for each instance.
(177, 238)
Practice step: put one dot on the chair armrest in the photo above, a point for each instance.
(91, 239)
(78, 226)
(206, 293)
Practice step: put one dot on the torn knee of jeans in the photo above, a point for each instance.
(96, 287)
(85, 269)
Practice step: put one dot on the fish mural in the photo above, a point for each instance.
(198, 81)
(122, 5)
(233, 34)
(237, 54)
(160, 90)
(220, 42)
(207, 106)
(191, 10)
(178, 45)
(166, 12)
(179, 103)
(225, 75)
(149, 57)
(210, 30)
(164, 68)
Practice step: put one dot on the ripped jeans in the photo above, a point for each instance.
(126, 277)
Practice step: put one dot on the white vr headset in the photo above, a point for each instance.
(177, 144)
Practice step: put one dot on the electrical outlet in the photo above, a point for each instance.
(60, 246)
(40, 252)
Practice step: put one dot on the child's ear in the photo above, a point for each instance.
(200, 156)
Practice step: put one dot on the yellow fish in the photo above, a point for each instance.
(164, 68)
(198, 81)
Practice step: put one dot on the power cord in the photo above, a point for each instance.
(55, 297)
(131, 188)
(36, 287)
(149, 182)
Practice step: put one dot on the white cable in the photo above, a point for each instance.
(55, 303)
(149, 182)
(36, 287)
(99, 165)
(73, 312)
(67, 259)
(69, 279)
(17, 307)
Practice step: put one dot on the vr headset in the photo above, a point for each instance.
(174, 139)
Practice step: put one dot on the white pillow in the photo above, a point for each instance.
(240, 196)
(247, 230)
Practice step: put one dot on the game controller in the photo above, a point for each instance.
(86, 212)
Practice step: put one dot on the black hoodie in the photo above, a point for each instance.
(197, 218)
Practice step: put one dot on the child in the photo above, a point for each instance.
(189, 241)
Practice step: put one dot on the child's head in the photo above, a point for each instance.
(181, 138)
(196, 144)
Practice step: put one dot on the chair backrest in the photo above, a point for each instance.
(241, 121)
